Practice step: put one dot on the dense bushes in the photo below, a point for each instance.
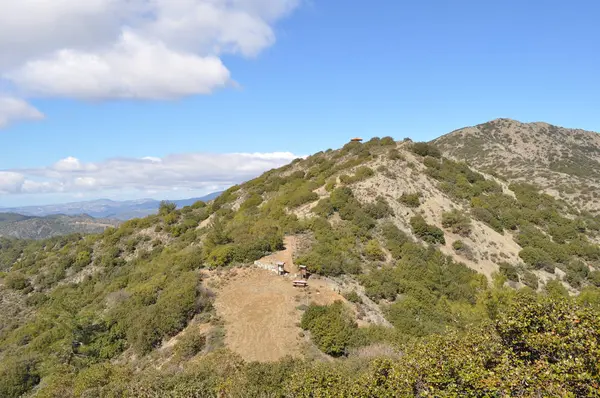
(16, 281)
(509, 271)
(425, 149)
(537, 346)
(536, 258)
(394, 239)
(164, 315)
(334, 251)
(427, 282)
(429, 233)
(189, 345)
(17, 377)
(331, 328)
(373, 251)
(457, 222)
(410, 199)
(379, 209)
(529, 279)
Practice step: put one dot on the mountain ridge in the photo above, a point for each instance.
(564, 162)
(13, 225)
(103, 208)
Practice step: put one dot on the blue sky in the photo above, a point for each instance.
(335, 70)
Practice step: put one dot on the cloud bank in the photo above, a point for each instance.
(127, 49)
(185, 172)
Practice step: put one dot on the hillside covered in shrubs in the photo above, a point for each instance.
(488, 288)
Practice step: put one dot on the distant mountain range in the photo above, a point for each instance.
(32, 227)
(103, 208)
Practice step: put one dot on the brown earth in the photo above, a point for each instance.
(260, 309)
(287, 255)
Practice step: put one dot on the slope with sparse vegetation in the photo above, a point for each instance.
(564, 162)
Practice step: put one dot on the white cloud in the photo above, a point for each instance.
(133, 69)
(146, 49)
(68, 164)
(14, 109)
(11, 182)
(186, 172)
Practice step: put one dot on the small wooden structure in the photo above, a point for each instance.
(303, 271)
(300, 283)
(280, 267)
(356, 139)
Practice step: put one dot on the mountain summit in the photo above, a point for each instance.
(564, 162)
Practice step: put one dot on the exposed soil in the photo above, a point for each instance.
(287, 255)
(261, 309)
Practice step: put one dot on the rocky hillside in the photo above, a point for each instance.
(414, 260)
(564, 162)
(28, 227)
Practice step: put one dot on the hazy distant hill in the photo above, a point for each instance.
(565, 162)
(30, 227)
(104, 208)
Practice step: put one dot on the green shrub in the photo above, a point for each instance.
(353, 297)
(166, 208)
(509, 271)
(425, 149)
(331, 328)
(379, 209)
(221, 256)
(387, 141)
(594, 278)
(536, 258)
(394, 239)
(361, 173)
(432, 162)
(555, 289)
(529, 279)
(373, 251)
(16, 281)
(457, 222)
(458, 245)
(17, 377)
(411, 199)
(189, 345)
(429, 233)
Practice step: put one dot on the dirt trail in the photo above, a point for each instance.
(260, 308)
(287, 255)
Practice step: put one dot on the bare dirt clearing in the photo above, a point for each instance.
(260, 308)
(260, 311)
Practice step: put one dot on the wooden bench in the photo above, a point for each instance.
(300, 283)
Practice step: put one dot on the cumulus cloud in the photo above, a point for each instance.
(186, 172)
(14, 109)
(132, 69)
(135, 49)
